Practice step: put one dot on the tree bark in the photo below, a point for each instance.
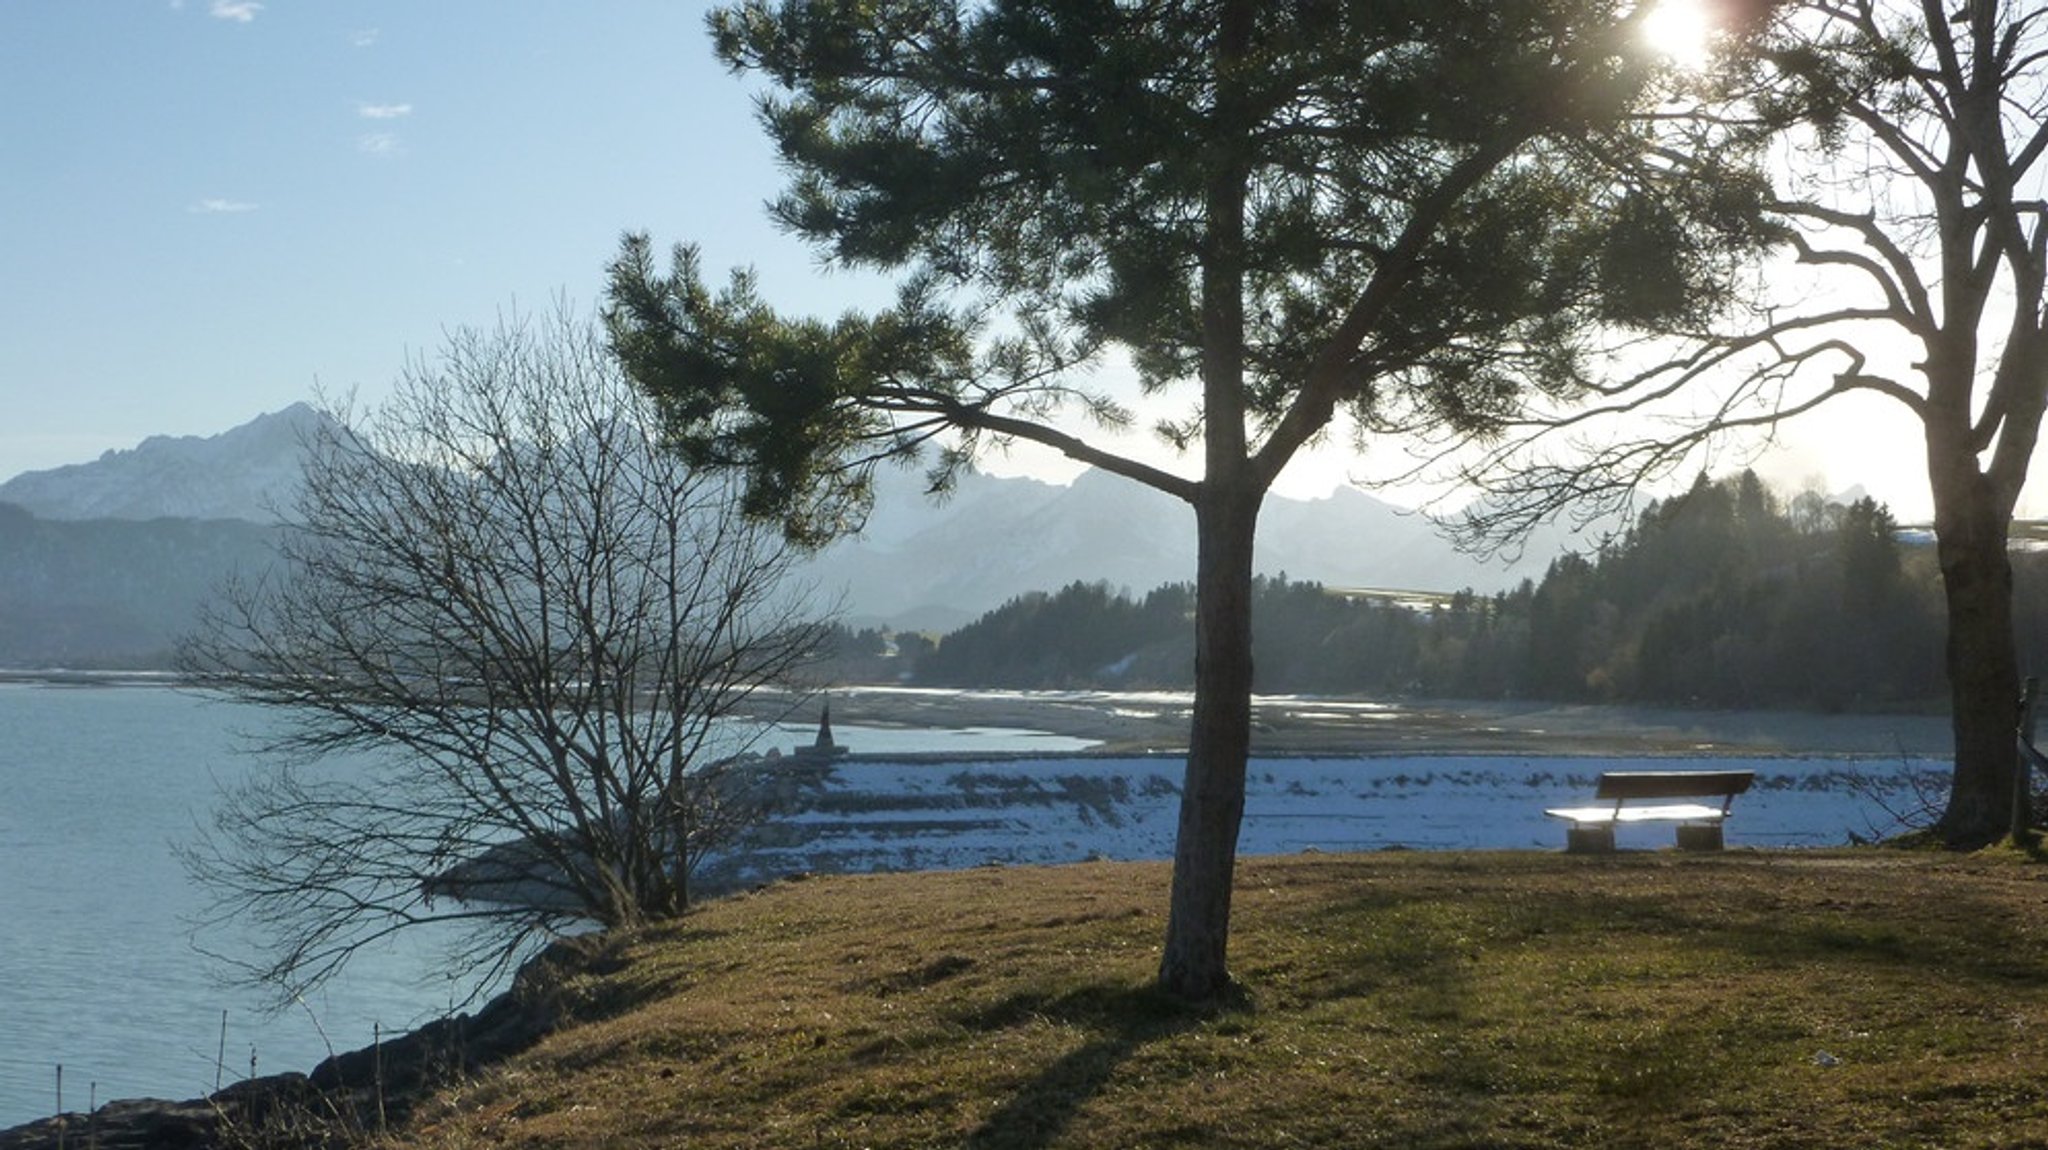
(1971, 529)
(1194, 963)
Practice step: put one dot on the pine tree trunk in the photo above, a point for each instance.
(1194, 964)
(1983, 673)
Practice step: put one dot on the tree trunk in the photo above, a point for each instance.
(1194, 964)
(1971, 528)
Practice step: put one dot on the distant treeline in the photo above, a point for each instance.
(1726, 596)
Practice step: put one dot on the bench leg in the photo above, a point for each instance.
(1699, 838)
(1596, 840)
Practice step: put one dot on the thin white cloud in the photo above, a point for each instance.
(378, 144)
(365, 38)
(383, 111)
(215, 206)
(240, 11)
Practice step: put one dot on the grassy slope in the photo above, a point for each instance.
(1398, 1000)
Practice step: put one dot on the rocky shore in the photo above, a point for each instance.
(349, 1095)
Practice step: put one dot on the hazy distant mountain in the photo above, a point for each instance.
(86, 576)
(934, 567)
(113, 593)
(240, 474)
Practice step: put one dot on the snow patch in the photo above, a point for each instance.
(880, 813)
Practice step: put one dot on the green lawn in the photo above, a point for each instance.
(1401, 1000)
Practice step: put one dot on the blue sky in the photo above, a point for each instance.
(214, 207)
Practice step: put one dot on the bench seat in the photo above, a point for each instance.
(1621, 794)
(1673, 812)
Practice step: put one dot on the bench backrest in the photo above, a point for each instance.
(1618, 785)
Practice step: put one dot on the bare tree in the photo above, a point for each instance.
(1911, 137)
(505, 640)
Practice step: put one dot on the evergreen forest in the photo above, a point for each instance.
(1729, 595)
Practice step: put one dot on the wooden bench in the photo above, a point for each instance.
(1699, 824)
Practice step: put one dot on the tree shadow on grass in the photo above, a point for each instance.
(1121, 1019)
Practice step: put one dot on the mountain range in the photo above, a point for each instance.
(103, 563)
(243, 473)
(934, 567)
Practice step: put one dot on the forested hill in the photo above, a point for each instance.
(1729, 596)
(110, 594)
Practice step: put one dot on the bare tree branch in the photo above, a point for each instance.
(505, 644)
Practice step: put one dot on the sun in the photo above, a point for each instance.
(1680, 31)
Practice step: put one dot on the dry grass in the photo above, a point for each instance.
(1399, 1000)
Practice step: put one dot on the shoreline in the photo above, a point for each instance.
(1156, 722)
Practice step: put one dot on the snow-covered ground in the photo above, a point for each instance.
(879, 813)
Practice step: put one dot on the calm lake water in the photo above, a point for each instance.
(99, 969)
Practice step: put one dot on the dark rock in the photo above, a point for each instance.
(133, 1124)
(348, 1095)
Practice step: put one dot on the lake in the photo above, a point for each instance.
(99, 971)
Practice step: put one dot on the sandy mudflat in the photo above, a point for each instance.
(1303, 725)
(1306, 725)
